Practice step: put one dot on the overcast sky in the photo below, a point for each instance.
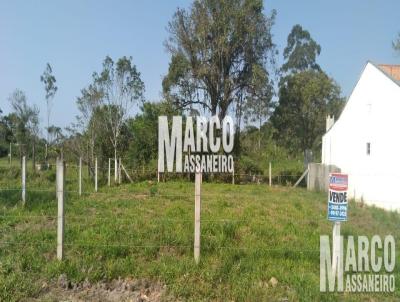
(75, 36)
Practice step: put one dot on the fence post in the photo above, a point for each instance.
(23, 173)
(60, 199)
(158, 175)
(270, 174)
(80, 176)
(95, 174)
(233, 175)
(197, 209)
(115, 169)
(10, 155)
(336, 246)
(109, 171)
(119, 171)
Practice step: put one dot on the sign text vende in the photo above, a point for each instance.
(337, 197)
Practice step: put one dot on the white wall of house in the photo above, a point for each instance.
(371, 115)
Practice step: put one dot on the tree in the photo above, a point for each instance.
(6, 135)
(215, 48)
(120, 87)
(55, 134)
(49, 81)
(24, 118)
(88, 121)
(33, 126)
(99, 124)
(259, 103)
(143, 128)
(301, 51)
(305, 98)
(396, 43)
(306, 94)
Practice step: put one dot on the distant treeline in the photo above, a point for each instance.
(223, 61)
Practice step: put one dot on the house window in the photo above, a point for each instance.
(368, 148)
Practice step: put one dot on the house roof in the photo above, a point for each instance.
(391, 71)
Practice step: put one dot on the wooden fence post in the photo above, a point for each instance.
(95, 174)
(197, 210)
(23, 173)
(109, 171)
(60, 199)
(270, 174)
(80, 176)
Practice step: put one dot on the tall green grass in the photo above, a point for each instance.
(249, 233)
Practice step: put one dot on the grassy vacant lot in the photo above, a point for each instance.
(250, 233)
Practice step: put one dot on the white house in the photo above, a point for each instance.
(365, 140)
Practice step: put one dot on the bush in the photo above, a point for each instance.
(153, 190)
(248, 166)
(51, 176)
(4, 148)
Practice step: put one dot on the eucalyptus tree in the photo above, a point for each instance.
(89, 123)
(50, 87)
(120, 87)
(306, 95)
(33, 126)
(301, 51)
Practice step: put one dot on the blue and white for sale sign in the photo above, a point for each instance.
(337, 197)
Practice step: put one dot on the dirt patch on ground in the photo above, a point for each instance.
(127, 290)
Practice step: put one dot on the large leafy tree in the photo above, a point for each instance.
(215, 48)
(305, 99)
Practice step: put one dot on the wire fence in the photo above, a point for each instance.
(118, 175)
(43, 183)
